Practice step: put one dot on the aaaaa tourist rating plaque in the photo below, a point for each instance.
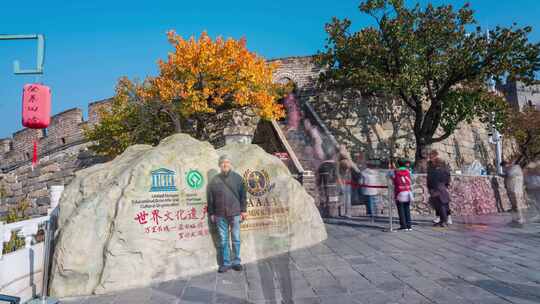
(264, 210)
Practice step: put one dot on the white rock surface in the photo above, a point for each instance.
(118, 232)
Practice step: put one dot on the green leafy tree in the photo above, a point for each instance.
(433, 59)
(524, 127)
(129, 120)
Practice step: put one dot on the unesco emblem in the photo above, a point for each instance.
(257, 182)
(163, 180)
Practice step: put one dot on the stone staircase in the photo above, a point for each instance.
(297, 142)
(300, 142)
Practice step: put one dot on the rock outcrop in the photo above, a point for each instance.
(141, 218)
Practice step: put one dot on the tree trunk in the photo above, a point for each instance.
(522, 160)
(177, 126)
(419, 154)
(175, 118)
(419, 121)
(423, 134)
(199, 127)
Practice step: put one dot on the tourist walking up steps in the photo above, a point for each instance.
(438, 181)
(403, 194)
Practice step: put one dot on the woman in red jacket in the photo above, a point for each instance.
(403, 194)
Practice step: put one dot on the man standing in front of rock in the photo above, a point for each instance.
(227, 209)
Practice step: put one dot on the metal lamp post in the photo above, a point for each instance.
(40, 57)
(495, 137)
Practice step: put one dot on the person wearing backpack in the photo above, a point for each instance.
(403, 194)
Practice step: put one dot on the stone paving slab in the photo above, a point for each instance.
(491, 262)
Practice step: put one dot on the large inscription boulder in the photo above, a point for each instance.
(141, 218)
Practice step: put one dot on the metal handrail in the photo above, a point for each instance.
(288, 147)
(319, 122)
(9, 299)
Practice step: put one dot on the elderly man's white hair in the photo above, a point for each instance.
(223, 158)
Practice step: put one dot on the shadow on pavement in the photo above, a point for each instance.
(512, 290)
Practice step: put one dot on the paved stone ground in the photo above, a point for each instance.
(489, 263)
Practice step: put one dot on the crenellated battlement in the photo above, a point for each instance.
(520, 95)
(66, 128)
(303, 71)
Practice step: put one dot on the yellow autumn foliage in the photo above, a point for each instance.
(204, 74)
(200, 76)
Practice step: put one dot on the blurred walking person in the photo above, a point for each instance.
(327, 184)
(346, 167)
(513, 180)
(438, 181)
(369, 179)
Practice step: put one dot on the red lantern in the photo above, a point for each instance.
(36, 111)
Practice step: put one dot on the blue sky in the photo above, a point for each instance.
(90, 44)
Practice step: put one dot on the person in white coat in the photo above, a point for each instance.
(513, 180)
(532, 184)
(370, 178)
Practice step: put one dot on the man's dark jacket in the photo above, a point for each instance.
(436, 175)
(226, 195)
(438, 181)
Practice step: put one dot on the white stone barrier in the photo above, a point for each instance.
(21, 270)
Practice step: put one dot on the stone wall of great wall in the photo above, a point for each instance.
(374, 131)
(63, 149)
(520, 95)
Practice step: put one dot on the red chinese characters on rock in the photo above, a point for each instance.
(155, 216)
(187, 223)
(156, 229)
(168, 216)
(190, 231)
(191, 214)
(141, 217)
